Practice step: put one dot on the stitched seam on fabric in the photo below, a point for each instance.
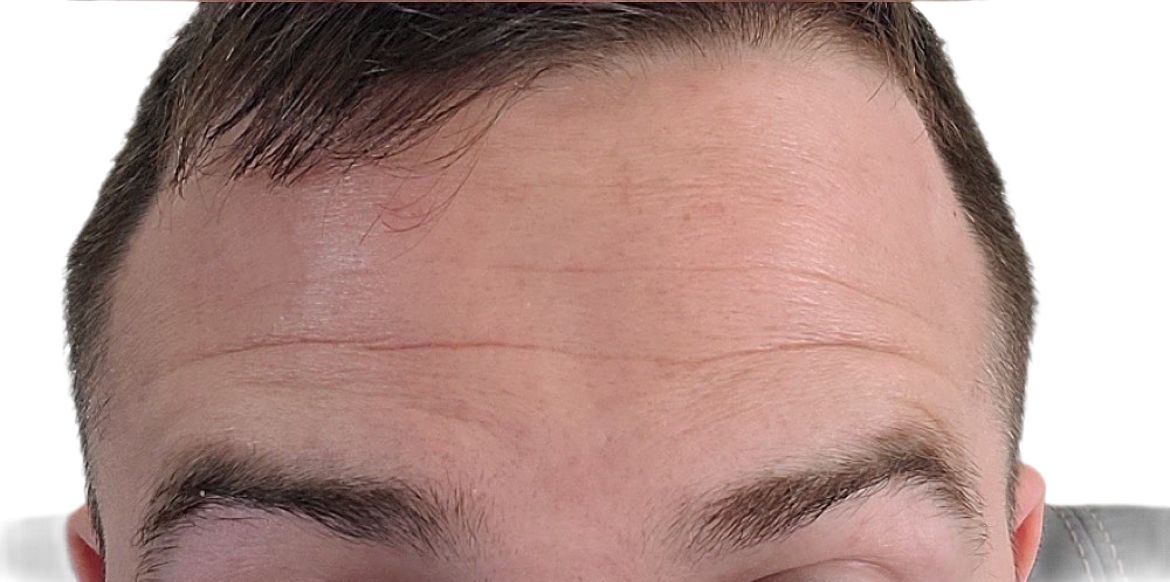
(1060, 512)
(1109, 540)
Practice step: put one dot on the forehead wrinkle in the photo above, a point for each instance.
(692, 385)
(809, 274)
(372, 345)
(739, 170)
(350, 374)
(760, 283)
(786, 271)
(743, 163)
(392, 343)
(729, 389)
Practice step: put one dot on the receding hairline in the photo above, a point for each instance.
(231, 140)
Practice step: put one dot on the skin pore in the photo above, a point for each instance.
(641, 293)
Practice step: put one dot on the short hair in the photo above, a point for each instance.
(302, 86)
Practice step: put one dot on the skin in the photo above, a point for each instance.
(647, 285)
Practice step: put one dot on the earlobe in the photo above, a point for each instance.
(1029, 520)
(84, 547)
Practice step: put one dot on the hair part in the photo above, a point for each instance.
(285, 89)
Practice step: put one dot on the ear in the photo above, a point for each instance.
(1029, 519)
(84, 552)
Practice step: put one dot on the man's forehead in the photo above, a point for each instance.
(691, 264)
(687, 192)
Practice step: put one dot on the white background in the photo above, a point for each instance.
(1072, 100)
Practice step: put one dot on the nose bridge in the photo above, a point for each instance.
(573, 544)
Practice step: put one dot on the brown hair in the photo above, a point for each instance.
(302, 86)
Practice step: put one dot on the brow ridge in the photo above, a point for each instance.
(774, 504)
(415, 517)
(767, 506)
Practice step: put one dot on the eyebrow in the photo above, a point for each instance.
(911, 456)
(431, 521)
(415, 517)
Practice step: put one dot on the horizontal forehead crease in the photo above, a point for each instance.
(635, 188)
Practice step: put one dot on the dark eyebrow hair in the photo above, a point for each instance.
(415, 517)
(774, 504)
(761, 508)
